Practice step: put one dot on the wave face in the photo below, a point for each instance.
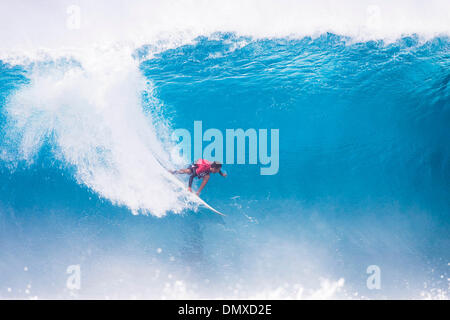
(363, 117)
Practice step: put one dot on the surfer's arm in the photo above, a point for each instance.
(204, 182)
(223, 174)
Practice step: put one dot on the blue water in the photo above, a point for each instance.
(363, 178)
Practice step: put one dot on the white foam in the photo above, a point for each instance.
(27, 25)
(92, 115)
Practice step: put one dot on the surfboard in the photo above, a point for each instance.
(196, 197)
(192, 195)
(203, 202)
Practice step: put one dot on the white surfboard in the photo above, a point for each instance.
(203, 202)
(196, 198)
(193, 196)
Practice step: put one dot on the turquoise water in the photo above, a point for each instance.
(363, 178)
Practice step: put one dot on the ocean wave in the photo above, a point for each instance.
(63, 26)
(359, 93)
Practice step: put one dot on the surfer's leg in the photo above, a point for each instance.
(183, 171)
(193, 174)
(191, 179)
(190, 170)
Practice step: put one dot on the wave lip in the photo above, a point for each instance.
(62, 25)
(92, 117)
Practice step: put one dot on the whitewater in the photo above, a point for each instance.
(92, 91)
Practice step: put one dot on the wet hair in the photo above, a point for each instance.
(216, 164)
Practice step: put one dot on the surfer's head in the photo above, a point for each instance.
(216, 166)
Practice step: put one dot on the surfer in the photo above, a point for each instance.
(201, 169)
